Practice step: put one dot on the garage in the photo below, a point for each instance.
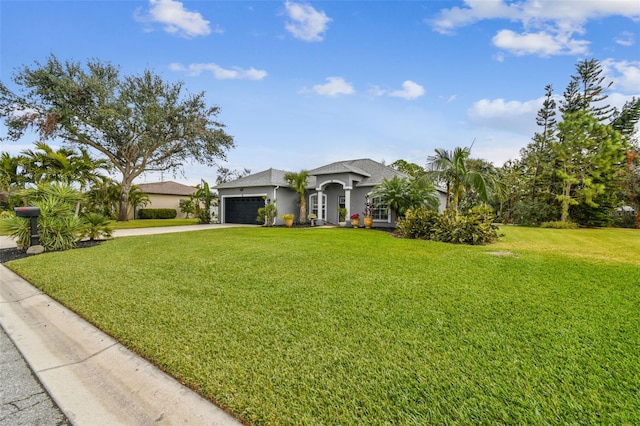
(242, 209)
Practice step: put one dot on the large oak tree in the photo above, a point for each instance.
(139, 122)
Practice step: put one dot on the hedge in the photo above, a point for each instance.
(157, 213)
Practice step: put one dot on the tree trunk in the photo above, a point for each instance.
(566, 200)
(123, 211)
(303, 210)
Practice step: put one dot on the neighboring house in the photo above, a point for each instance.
(166, 195)
(341, 184)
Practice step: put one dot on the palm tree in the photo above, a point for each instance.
(11, 173)
(298, 182)
(401, 195)
(450, 168)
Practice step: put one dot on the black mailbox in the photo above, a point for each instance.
(32, 213)
(27, 211)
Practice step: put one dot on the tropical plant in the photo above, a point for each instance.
(268, 213)
(96, 226)
(187, 206)
(298, 182)
(137, 199)
(203, 193)
(477, 227)
(401, 194)
(342, 214)
(58, 226)
(450, 168)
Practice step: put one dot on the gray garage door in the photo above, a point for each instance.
(242, 209)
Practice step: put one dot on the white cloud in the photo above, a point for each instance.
(335, 86)
(515, 116)
(541, 43)
(550, 22)
(624, 74)
(306, 23)
(410, 90)
(626, 39)
(235, 73)
(176, 19)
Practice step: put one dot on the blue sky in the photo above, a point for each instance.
(302, 84)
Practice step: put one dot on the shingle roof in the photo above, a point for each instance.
(166, 188)
(270, 177)
(372, 172)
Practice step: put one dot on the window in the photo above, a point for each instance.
(380, 209)
(313, 201)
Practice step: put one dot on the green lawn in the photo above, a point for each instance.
(343, 326)
(151, 223)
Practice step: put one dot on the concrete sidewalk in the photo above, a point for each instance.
(90, 376)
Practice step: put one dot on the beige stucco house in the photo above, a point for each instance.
(166, 195)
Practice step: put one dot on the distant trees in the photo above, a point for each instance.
(138, 122)
(574, 167)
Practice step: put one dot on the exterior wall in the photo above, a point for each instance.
(286, 199)
(163, 201)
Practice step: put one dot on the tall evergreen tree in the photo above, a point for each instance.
(589, 154)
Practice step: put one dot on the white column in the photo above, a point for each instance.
(347, 202)
(320, 206)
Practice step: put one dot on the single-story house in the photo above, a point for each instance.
(343, 184)
(166, 195)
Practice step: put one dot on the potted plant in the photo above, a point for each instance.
(342, 216)
(355, 219)
(368, 213)
(288, 219)
(312, 219)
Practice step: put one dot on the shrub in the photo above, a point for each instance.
(267, 214)
(204, 216)
(476, 227)
(157, 213)
(58, 227)
(96, 226)
(420, 223)
(557, 224)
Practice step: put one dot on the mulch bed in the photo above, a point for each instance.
(13, 253)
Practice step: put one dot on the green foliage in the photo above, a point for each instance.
(58, 226)
(572, 168)
(139, 122)
(267, 214)
(477, 227)
(558, 224)
(18, 228)
(96, 226)
(298, 182)
(187, 206)
(157, 213)
(203, 193)
(403, 194)
(204, 216)
(342, 214)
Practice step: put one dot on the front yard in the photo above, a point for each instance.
(343, 326)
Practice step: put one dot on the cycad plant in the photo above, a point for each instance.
(58, 226)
